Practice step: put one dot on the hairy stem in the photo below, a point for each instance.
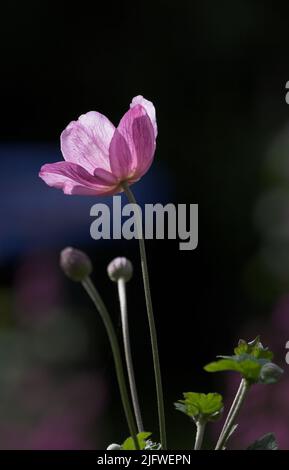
(233, 413)
(151, 321)
(100, 306)
(230, 411)
(201, 425)
(127, 349)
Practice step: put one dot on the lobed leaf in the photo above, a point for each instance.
(201, 406)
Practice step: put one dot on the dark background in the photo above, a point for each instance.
(216, 72)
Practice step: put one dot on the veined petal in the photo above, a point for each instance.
(86, 141)
(105, 177)
(150, 109)
(145, 144)
(133, 144)
(121, 159)
(78, 190)
(72, 179)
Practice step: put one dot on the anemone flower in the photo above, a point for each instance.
(100, 158)
(103, 160)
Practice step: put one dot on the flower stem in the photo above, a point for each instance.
(230, 411)
(100, 306)
(233, 413)
(201, 425)
(127, 349)
(152, 327)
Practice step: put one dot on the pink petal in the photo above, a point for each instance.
(133, 144)
(150, 109)
(83, 191)
(120, 156)
(73, 179)
(144, 140)
(86, 141)
(105, 177)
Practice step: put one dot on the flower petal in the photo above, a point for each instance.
(150, 109)
(78, 190)
(73, 179)
(105, 177)
(133, 144)
(120, 156)
(86, 141)
(145, 144)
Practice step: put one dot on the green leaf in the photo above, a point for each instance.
(242, 347)
(203, 406)
(254, 348)
(248, 360)
(141, 437)
(248, 367)
(267, 442)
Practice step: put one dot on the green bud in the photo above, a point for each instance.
(270, 373)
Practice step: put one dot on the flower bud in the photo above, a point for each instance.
(114, 447)
(270, 373)
(120, 268)
(76, 264)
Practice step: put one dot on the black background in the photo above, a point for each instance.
(216, 72)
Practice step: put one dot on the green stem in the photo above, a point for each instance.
(201, 425)
(128, 355)
(151, 321)
(233, 413)
(100, 306)
(237, 396)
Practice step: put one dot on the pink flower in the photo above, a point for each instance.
(99, 157)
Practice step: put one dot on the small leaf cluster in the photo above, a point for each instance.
(201, 406)
(252, 361)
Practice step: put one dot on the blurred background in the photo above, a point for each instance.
(216, 72)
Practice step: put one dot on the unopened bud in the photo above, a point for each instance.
(76, 264)
(270, 373)
(114, 447)
(120, 268)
